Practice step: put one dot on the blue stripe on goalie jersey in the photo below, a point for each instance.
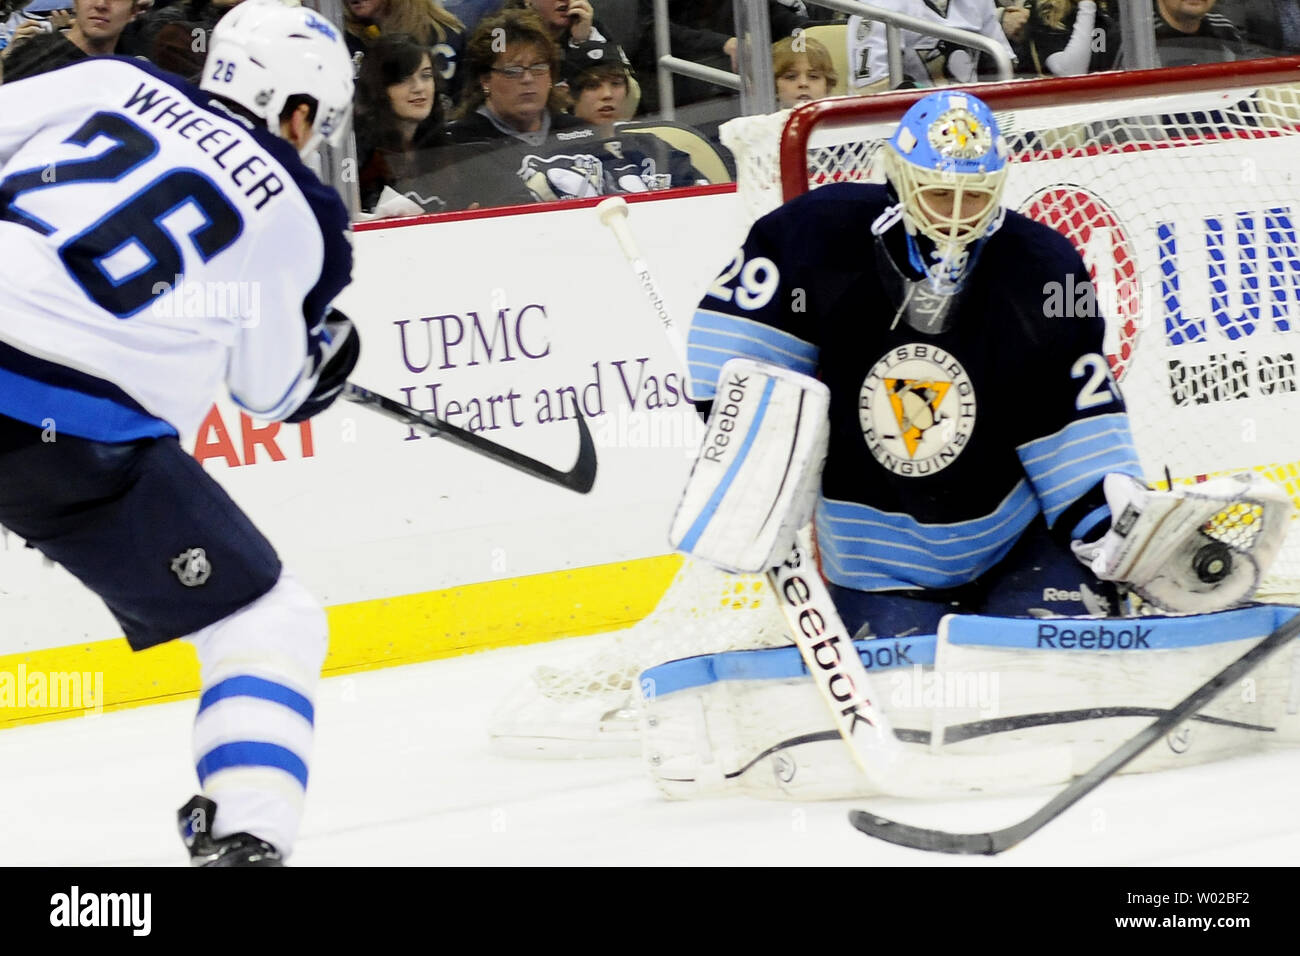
(873, 550)
(701, 523)
(716, 337)
(1064, 465)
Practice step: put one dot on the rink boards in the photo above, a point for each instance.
(421, 550)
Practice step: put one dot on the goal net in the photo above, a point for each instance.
(1180, 189)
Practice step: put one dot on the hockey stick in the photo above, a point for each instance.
(613, 215)
(579, 478)
(995, 841)
(815, 627)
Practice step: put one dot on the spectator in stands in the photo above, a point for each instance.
(512, 64)
(582, 38)
(175, 37)
(927, 60)
(396, 114)
(1012, 17)
(96, 27)
(1189, 31)
(513, 143)
(1267, 27)
(600, 92)
(426, 20)
(631, 161)
(38, 16)
(1067, 38)
(803, 70)
(703, 31)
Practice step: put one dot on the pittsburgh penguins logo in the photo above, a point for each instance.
(563, 177)
(958, 134)
(917, 410)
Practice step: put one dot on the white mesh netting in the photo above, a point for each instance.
(587, 707)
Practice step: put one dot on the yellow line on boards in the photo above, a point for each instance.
(61, 682)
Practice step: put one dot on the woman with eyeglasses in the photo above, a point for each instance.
(513, 143)
(580, 34)
(511, 67)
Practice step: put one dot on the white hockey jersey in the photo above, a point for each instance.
(154, 247)
(927, 60)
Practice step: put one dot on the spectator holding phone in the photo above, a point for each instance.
(583, 40)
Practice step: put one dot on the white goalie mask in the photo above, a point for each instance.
(947, 161)
(263, 51)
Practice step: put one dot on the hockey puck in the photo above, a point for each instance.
(1213, 562)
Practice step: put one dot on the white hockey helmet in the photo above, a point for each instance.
(264, 51)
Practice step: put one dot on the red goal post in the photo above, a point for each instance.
(1181, 189)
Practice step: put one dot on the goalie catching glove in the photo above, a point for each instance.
(756, 477)
(1191, 550)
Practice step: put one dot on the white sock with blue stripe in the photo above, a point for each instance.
(253, 732)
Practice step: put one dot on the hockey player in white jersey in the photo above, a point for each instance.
(122, 187)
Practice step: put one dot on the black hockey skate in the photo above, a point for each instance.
(239, 849)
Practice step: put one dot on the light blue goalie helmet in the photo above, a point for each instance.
(948, 163)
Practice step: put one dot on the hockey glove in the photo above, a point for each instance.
(1193, 549)
(340, 347)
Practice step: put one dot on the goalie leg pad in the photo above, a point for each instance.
(756, 478)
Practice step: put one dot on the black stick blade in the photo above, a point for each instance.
(580, 478)
(919, 838)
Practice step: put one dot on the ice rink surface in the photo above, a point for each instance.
(403, 774)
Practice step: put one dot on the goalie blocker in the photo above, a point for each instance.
(756, 477)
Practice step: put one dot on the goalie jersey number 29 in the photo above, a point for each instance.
(946, 446)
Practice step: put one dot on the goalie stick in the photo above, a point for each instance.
(579, 478)
(815, 627)
(995, 841)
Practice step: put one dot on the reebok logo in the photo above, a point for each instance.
(877, 657)
(725, 417)
(1059, 594)
(826, 652)
(1101, 637)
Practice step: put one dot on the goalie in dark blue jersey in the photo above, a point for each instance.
(978, 456)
